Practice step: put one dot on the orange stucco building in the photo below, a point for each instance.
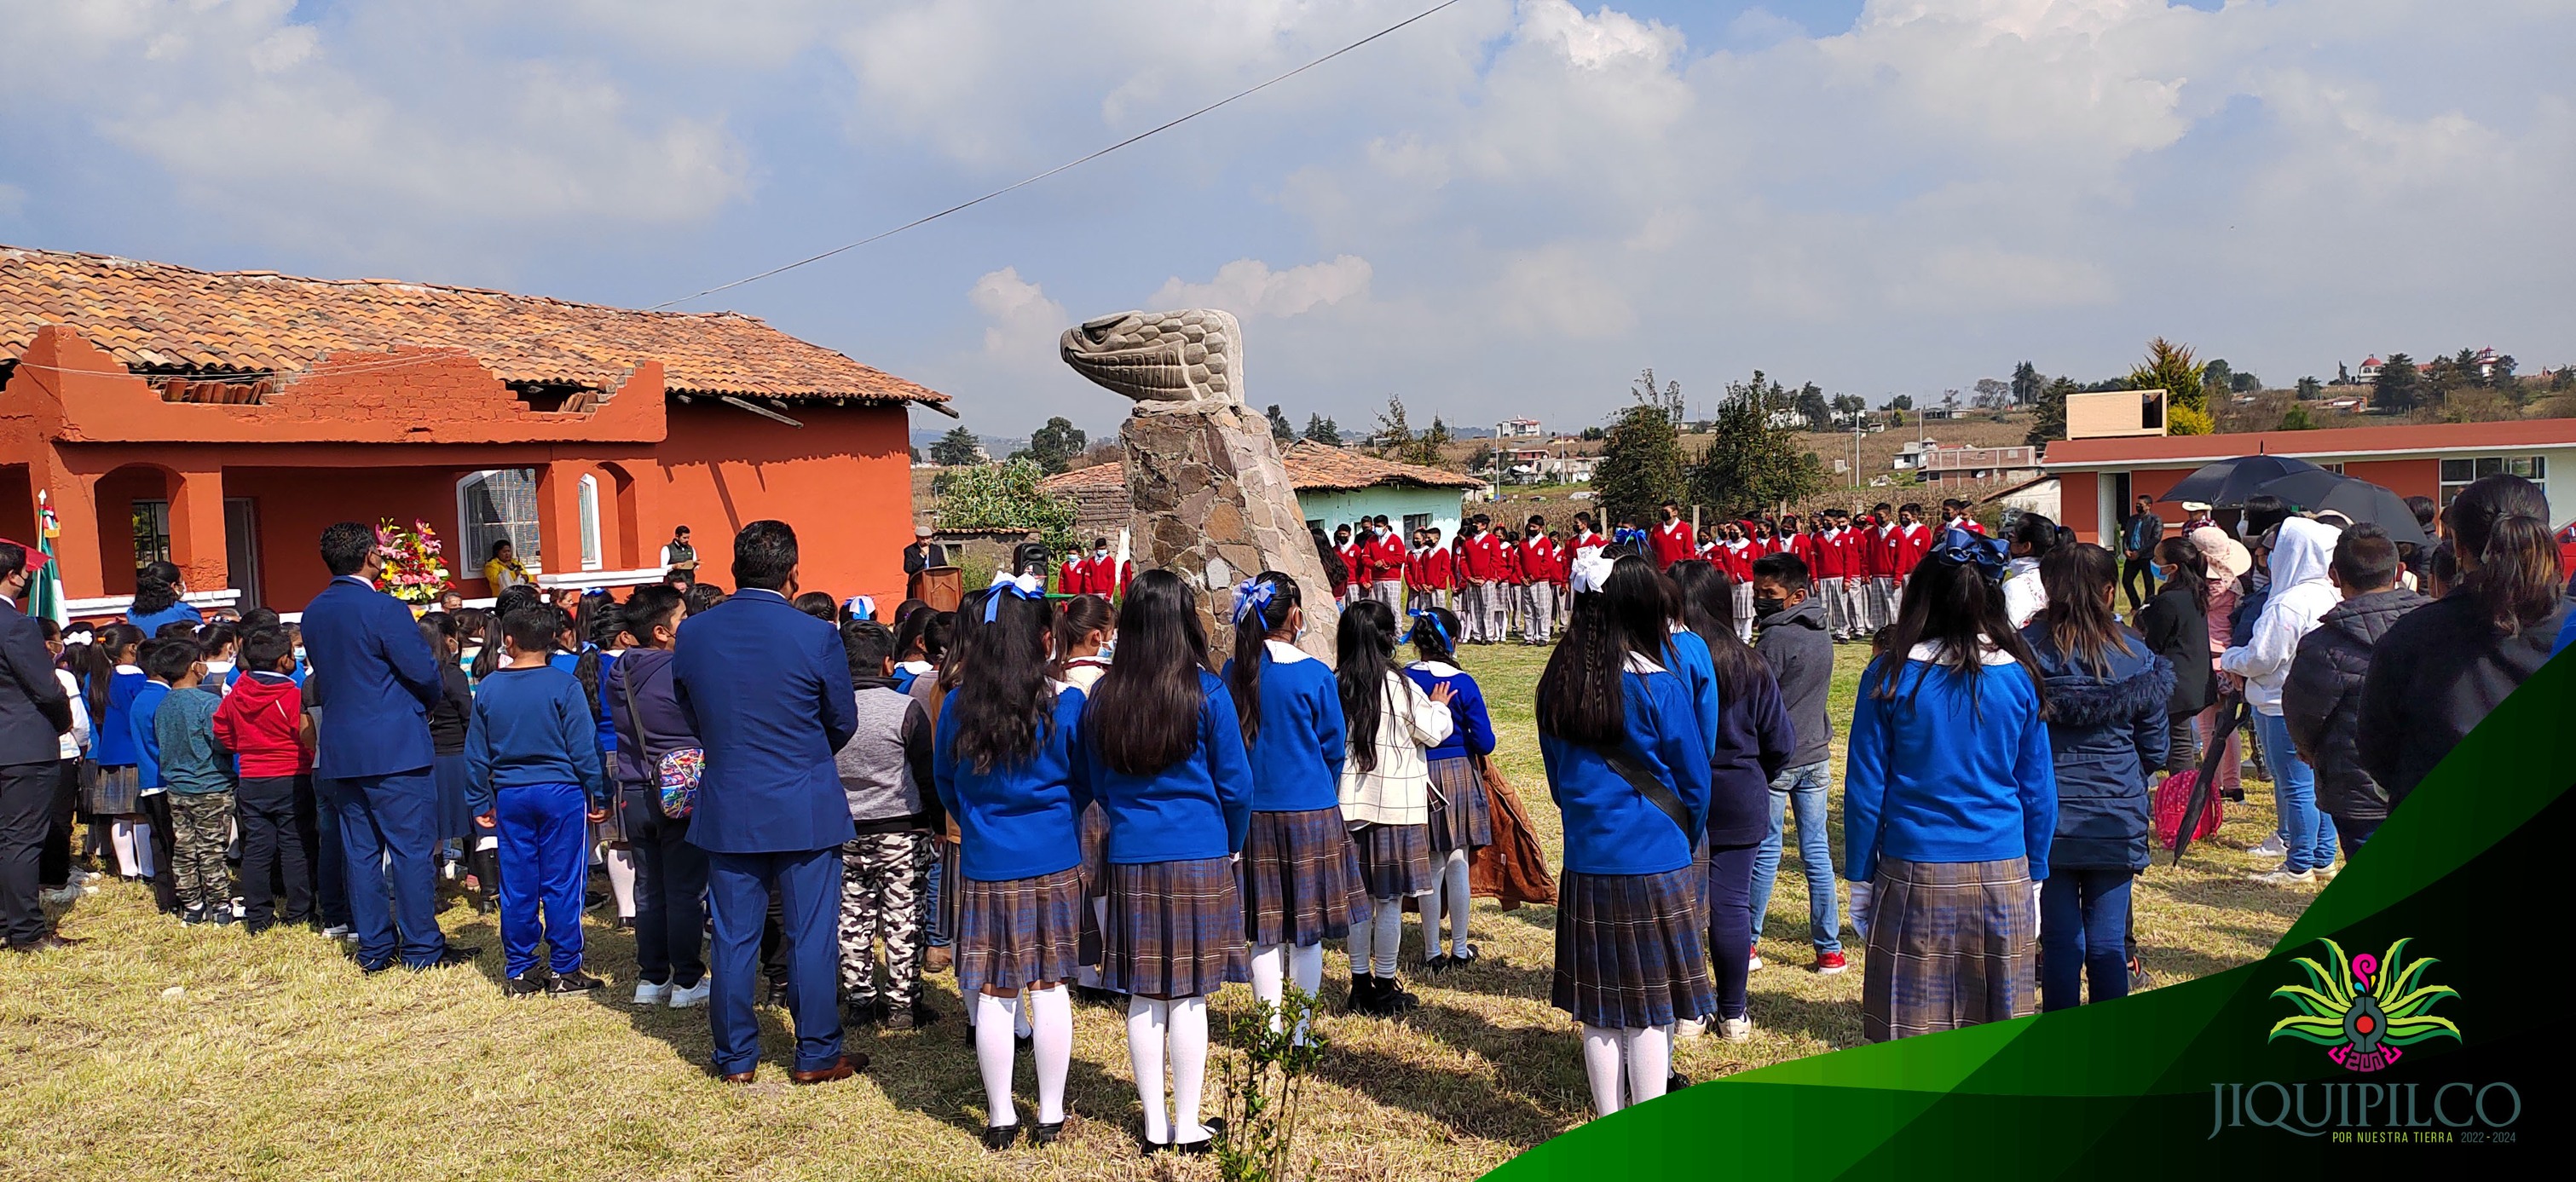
(222, 419)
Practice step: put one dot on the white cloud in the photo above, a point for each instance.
(1251, 290)
(1025, 323)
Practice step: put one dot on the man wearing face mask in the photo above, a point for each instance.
(1671, 539)
(1538, 561)
(1794, 641)
(1386, 562)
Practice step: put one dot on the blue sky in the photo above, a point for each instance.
(1509, 208)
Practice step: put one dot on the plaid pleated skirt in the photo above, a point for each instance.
(1461, 817)
(1018, 931)
(117, 790)
(1095, 850)
(1950, 944)
(1301, 878)
(1175, 929)
(1630, 950)
(1395, 860)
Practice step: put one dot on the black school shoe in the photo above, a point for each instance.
(575, 981)
(527, 984)
(1046, 1134)
(862, 1013)
(193, 916)
(1000, 1137)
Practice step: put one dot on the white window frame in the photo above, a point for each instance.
(474, 536)
(588, 498)
(2534, 468)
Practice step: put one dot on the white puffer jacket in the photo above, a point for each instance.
(1398, 792)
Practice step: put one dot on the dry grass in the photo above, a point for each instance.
(276, 1059)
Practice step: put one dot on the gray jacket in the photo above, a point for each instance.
(1800, 651)
(886, 764)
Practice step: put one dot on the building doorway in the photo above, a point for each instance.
(241, 549)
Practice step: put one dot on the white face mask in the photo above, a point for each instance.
(214, 667)
(1100, 553)
(299, 654)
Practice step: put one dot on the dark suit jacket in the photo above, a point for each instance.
(767, 690)
(34, 711)
(371, 665)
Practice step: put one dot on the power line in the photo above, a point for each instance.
(1075, 163)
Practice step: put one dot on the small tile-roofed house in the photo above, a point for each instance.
(220, 420)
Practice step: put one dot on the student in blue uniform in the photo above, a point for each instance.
(1166, 760)
(533, 749)
(1628, 769)
(116, 791)
(1461, 816)
(1301, 876)
(1007, 762)
(1949, 804)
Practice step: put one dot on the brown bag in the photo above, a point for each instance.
(1513, 870)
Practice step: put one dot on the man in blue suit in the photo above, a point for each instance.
(767, 689)
(376, 681)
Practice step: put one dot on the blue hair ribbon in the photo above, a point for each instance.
(1424, 614)
(1958, 547)
(1252, 595)
(1025, 587)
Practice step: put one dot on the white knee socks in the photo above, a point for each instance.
(1650, 1061)
(993, 1054)
(1189, 1036)
(1640, 1058)
(1431, 906)
(1602, 1068)
(621, 879)
(1051, 1028)
(143, 849)
(1270, 976)
(1387, 916)
(1306, 970)
(1146, 1019)
(1453, 883)
(120, 837)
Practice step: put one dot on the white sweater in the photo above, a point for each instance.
(1398, 792)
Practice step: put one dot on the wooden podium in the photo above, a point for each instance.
(942, 587)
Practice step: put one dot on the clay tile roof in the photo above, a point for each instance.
(1312, 467)
(162, 317)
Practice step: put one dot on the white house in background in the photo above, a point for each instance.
(1518, 429)
(2370, 367)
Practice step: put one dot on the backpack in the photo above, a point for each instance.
(2173, 798)
(675, 774)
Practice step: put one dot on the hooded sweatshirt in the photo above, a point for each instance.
(2301, 595)
(2321, 700)
(1795, 643)
(257, 722)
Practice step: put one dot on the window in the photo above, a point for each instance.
(589, 496)
(1416, 522)
(2457, 474)
(495, 505)
(151, 533)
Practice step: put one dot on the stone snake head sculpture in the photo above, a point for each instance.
(1164, 360)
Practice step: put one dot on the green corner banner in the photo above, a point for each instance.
(2408, 1020)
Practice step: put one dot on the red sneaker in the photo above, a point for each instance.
(1829, 963)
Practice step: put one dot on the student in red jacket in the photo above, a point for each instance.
(1488, 603)
(1355, 558)
(1914, 540)
(1439, 569)
(1833, 573)
(1671, 539)
(1586, 539)
(262, 722)
(1074, 576)
(1536, 557)
(1386, 562)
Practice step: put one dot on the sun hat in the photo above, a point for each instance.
(2227, 557)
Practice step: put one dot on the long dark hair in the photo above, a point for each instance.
(156, 587)
(1435, 634)
(438, 629)
(94, 666)
(2182, 561)
(1580, 696)
(1144, 712)
(1365, 653)
(2078, 616)
(1951, 605)
(1708, 610)
(1003, 703)
(1243, 677)
(1081, 616)
(2035, 533)
(2504, 521)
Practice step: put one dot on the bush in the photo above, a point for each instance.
(1006, 496)
(2184, 420)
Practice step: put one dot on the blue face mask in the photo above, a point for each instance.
(2155, 572)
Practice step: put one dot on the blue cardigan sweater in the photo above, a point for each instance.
(112, 743)
(1297, 758)
(1610, 828)
(1200, 807)
(1686, 655)
(1931, 780)
(140, 712)
(531, 726)
(1019, 821)
(1474, 734)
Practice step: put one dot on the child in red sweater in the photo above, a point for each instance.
(263, 722)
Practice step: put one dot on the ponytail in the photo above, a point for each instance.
(1261, 607)
(2504, 521)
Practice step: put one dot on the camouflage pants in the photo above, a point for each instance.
(201, 826)
(884, 881)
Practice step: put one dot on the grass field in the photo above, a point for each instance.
(156, 1050)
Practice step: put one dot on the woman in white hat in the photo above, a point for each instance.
(2227, 560)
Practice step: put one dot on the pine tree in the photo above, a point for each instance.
(1394, 438)
(1750, 466)
(2027, 385)
(1641, 465)
(1323, 430)
(2049, 424)
(1053, 446)
(2400, 386)
(1281, 432)
(2170, 367)
(957, 448)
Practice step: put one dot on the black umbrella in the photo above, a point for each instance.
(2319, 491)
(2231, 713)
(2229, 482)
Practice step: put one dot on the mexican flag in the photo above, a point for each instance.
(45, 597)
